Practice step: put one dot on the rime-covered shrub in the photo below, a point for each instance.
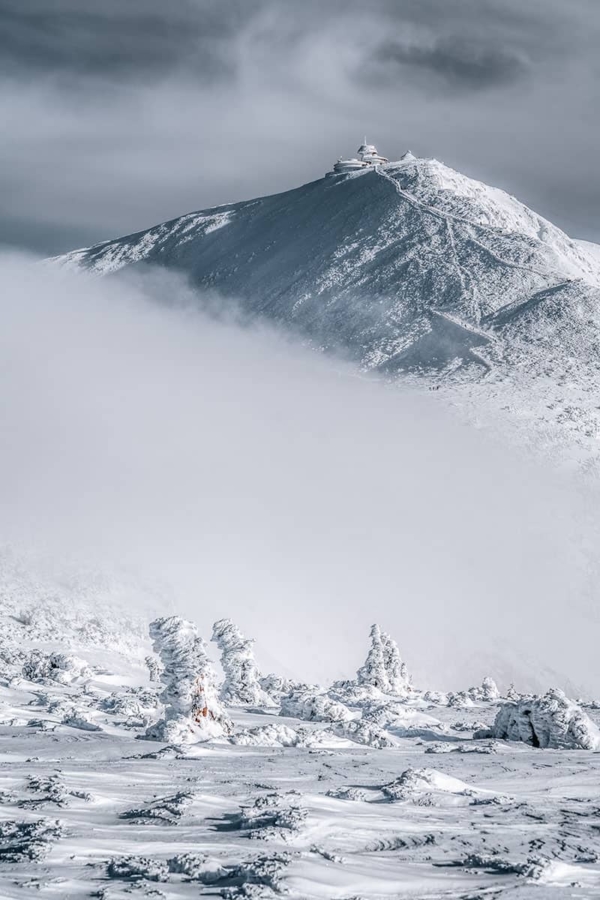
(266, 736)
(276, 686)
(351, 693)
(11, 659)
(383, 668)
(552, 721)
(363, 732)
(135, 704)
(192, 709)
(314, 707)
(76, 718)
(459, 699)
(437, 698)
(488, 692)
(137, 868)
(27, 841)
(40, 666)
(242, 678)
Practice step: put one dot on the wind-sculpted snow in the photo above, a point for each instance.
(409, 267)
(552, 721)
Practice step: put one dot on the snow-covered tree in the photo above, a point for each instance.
(489, 689)
(395, 669)
(242, 677)
(551, 721)
(154, 668)
(383, 666)
(374, 670)
(192, 709)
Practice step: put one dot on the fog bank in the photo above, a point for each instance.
(264, 482)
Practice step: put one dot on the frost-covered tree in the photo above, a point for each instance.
(489, 689)
(395, 669)
(242, 677)
(383, 666)
(374, 671)
(154, 668)
(192, 709)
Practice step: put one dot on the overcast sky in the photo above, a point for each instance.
(120, 114)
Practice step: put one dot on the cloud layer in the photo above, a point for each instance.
(266, 483)
(118, 116)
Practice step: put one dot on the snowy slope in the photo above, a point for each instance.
(412, 804)
(408, 267)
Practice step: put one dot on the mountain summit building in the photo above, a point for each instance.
(366, 156)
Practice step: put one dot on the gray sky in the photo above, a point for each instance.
(118, 115)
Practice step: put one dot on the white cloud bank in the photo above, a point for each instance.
(269, 484)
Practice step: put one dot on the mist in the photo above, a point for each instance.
(263, 481)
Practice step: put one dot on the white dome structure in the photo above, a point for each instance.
(366, 156)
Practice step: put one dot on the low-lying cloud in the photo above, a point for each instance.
(265, 482)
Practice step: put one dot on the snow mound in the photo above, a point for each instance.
(428, 787)
(552, 721)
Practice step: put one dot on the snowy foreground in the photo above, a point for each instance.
(370, 789)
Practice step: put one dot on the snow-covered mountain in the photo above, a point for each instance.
(407, 267)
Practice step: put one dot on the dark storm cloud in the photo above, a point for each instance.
(116, 39)
(459, 62)
(120, 114)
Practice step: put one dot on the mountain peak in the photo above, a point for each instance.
(405, 266)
